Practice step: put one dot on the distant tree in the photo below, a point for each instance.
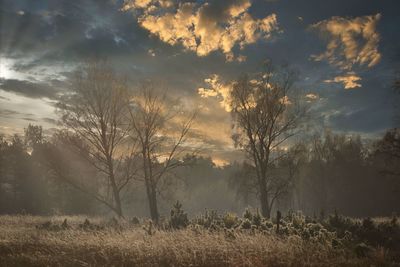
(160, 128)
(286, 174)
(19, 172)
(389, 148)
(266, 113)
(283, 172)
(96, 114)
(396, 87)
(34, 135)
(3, 162)
(336, 164)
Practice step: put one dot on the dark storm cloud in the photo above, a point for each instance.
(49, 120)
(7, 113)
(368, 120)
(67, 31)
(29, 119)
(28, 89)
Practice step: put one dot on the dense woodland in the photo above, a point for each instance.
(329, 172)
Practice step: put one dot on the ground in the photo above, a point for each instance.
(54, 241)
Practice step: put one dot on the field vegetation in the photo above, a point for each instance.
(209, 239)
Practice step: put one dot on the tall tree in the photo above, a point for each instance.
(157, 126)
(96, 113)
(389, 149)
(265, 114)
(396, 87)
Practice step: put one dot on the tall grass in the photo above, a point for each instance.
(24, 243)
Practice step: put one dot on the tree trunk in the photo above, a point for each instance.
(150, 186)
(265, 208)
(118, 205)
(117, 199)
(152, 198)
(153, 207)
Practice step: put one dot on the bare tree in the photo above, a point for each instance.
(396, 87)
(265, 115)
(95, 114)
(389, 149)
(160, 129)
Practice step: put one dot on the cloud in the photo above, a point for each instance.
(6, 113)
(29, 89)
(151, 52)
(350, 80)
(285, 100)
(312, 96)
(217, 89)
(204, 28)
(371, 119)
(12, 114)
(350, 41)
(50, 120)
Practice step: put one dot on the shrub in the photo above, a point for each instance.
(368, 224)
(266, 224)
(362, 250)
(246, 224)
(179, 219)
(247, 214)
(230, 220)
(209, 218)
(257, 218)
(134, 221)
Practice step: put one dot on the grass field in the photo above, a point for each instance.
(46, 241)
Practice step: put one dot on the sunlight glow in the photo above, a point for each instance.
(6, 71)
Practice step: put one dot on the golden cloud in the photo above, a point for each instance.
(350, 80)
(217, 89)
(206, 27)
(285, 100)
(351, 41)
(312, 96)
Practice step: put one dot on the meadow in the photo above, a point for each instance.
(206, 240)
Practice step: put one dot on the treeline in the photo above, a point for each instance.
(326, 173)
(338, 172)
(27, 184)
(44, 176)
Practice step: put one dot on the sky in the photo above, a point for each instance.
(347, 53)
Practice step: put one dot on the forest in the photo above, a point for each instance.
(328, 173)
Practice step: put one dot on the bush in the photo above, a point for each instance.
(179, 219)
(362, 250)
(257, 218)
(247, 214)
(246, 224)
(230, 220)
(134, 221)
(209, 218)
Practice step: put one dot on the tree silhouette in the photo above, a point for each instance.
(265, 115)
(157, 126)
(96, 113)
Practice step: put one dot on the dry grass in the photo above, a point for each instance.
(22, 244)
